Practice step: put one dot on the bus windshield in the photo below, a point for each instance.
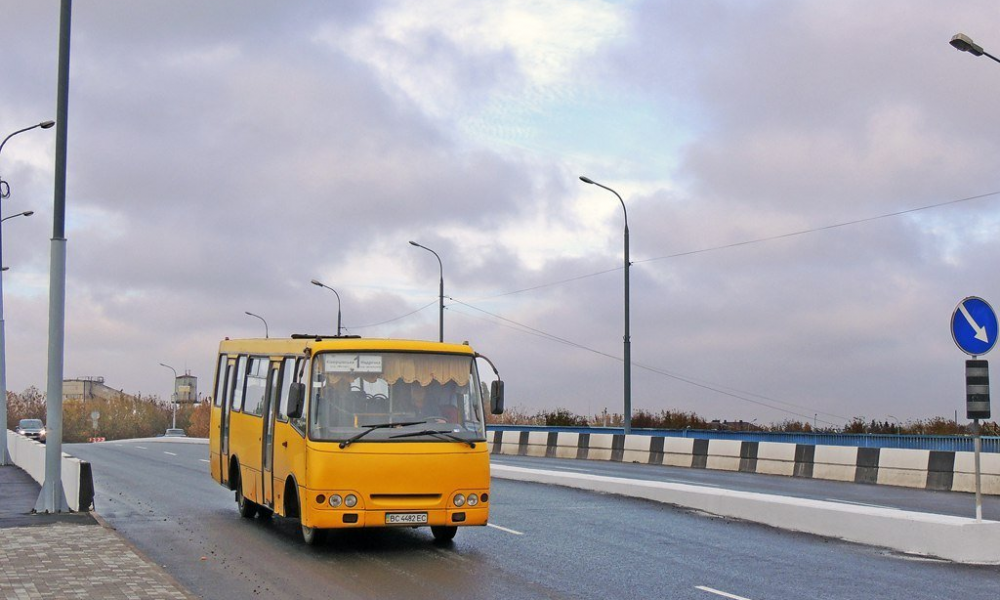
(426, 394)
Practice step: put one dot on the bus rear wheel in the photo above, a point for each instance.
(444, 533)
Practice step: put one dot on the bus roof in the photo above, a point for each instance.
(297, 345)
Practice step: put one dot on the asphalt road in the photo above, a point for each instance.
(543, 542)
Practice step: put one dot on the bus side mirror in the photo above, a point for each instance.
(296, 400)
(496, 397)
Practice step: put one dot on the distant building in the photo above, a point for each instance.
(90, 388)
(186, 388)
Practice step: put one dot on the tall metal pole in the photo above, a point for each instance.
(977, 445)
(173, 394)
(627, 338)
(52, 498)
(322, 285)
(440, 291)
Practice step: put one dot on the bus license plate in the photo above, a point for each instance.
(406, 519)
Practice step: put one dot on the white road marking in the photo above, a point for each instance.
(142, 448)
(203, 459)
(861, 504)
(170, 453)
(560, 468)
(719, 593)
(504, 529)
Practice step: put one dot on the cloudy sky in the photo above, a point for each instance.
(223, 154)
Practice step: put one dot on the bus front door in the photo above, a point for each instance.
(267, 447)
(227, 400)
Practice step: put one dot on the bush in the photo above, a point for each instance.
(562, 418)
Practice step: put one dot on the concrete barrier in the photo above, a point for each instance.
(951, 538)
(77, 477)
(946, 471)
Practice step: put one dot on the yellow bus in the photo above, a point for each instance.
(343, 432)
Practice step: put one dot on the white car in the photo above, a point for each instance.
(175, 433)
(31, 428)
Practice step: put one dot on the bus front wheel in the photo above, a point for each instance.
(248, 509)
(444, 533)
(313, 536)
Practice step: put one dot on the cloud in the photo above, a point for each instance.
(221, 156)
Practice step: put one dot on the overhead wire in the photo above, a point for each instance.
(717, 388)
(748, 243)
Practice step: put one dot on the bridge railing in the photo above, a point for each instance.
(947, 443)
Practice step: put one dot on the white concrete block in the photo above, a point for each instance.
(775, 458)
(510, 442)
(965, 469)
(600, 446)
(677, 452)
(837, 463)
(636, 449)
(904, 468)
(537, 441)
(568, 444)
(724, 455)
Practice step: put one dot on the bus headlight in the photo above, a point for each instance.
(351, 501)
(335, 501)
(473, 500)
(459, 500)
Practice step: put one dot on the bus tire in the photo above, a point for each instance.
(444, 533)
(313, 536)
(248, 509)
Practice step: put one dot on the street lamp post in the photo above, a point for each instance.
(440, 291)
(5, 193)
(52, 496)
(266, 333)
(173, 395)
(319, 284)
(964, 43)
(627, 338)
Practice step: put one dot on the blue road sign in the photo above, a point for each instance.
(974, 326)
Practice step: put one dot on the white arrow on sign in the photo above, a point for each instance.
(980, 331)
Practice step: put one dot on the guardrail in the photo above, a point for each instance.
(907, 467)
(940, 443)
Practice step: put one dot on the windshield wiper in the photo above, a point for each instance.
(446, 434)
(372, 428)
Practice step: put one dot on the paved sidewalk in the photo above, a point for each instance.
(72, 555)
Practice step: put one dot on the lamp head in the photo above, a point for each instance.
(412, 243)
(314, 282)
(46, 124)
(28, 213)
(249, 314)
(586, 180)
(962, 42)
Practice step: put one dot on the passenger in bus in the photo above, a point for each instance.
(432, 401)
(338, 406)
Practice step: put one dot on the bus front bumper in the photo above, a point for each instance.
(338, 519)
